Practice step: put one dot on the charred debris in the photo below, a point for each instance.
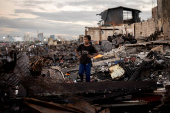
(129, 75)
(123, 76)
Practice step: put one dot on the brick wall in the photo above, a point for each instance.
(145, 28)
(142, 29)
(130, 29)
(94, 33)
(151, 27)
(106, 33)
(159, 24)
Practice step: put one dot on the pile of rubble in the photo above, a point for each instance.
(123, 63)
(139, 63)
(114, 42)
(46, 73)
(130, 64)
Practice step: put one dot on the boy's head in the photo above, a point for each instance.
(87, 39)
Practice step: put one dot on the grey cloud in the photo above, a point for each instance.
(22, 23)
(83, 15)
(64, 15)
(60, 5)
(13, 14)
(38, 2)
(28, 25)
(42, 8)
(86, 15)
(32, 3)
(23, 11)
(135, 4)
(32, 25)
(146, 15)
(110, 3)
(35, 3)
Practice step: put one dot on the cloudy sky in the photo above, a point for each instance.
(66, 18)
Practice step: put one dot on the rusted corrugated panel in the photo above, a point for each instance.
(49, 107)
(21, 71)
(113, 88)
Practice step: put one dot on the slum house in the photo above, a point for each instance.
(157, 25)
(114, 17)
(120, 15)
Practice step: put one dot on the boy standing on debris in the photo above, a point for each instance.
(86, 50)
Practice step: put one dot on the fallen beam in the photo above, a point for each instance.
(96, 90)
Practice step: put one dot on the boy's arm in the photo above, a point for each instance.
(77, 54)
(94, 51)
(76, 50)
(91, 56)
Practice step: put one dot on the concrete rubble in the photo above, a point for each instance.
(44, 72)
(131, 73)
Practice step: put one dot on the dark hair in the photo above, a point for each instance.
(88, 37)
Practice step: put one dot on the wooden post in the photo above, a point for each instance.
(100, 35)
(113, 30)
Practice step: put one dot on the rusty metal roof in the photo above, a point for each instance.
(126, 8)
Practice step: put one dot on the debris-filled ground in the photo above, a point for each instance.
(124, 78)
(131, 73)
